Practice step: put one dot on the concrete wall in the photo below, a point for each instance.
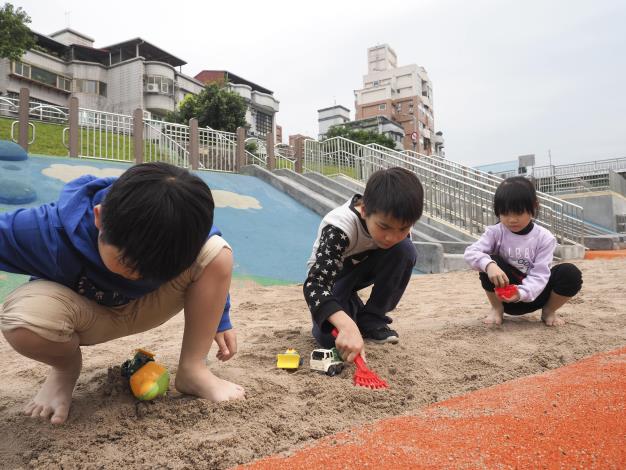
(599, 207)
(91, 71)
(125, 86)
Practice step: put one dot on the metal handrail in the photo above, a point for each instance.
(572, 225)
(13, 131)
(284, 156)
(63, 140)
(171, 142)
(351, 159)
(580, 169)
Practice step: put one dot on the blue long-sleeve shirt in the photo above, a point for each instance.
(59, 242)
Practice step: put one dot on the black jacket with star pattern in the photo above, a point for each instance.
(342, 237)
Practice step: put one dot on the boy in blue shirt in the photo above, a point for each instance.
(115, 257)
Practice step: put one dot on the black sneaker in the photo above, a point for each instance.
(382, 334)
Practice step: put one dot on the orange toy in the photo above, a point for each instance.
(148, 379)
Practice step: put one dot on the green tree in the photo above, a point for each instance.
(361, 136)
(15, 37)
(215, 106)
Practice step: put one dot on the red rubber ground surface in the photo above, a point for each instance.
(573, 417)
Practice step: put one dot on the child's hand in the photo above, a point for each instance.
(496, 275)
(349, 343)
(227, 344)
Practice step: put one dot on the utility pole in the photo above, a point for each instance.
(551, 171)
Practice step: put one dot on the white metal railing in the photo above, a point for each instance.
(9, 107)
(217, 150)
(574, 184)
(161, 146)
(451, 195)
(104, 136)
(570, 225)
(259, 155)
(48, 113)
(285, 156)
(458, 202)
(580, 169)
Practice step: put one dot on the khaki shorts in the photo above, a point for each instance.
(56, 312)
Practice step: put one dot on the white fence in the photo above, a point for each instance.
(104, 136)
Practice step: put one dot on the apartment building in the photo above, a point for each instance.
(331, 116)
(262, 106)
(118, 78)
(402, 94)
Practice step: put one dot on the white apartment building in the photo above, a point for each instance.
(402, 94)
(331, 116)
(118, 78)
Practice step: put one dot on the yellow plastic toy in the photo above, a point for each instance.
(148, 379)
(289, 360)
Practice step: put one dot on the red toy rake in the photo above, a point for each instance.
(363, 376)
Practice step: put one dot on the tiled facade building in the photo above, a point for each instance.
(401, 94)
(120, 78)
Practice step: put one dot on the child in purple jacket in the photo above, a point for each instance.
(518, 251)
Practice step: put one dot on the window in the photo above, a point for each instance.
(64, 83)
(92, 87)
(376, 83)
(382, 107)
(22, 69)
(42, 76)
(399, 107)
(264, 124)
(159, 84)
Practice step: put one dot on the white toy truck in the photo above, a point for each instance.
(327, 361)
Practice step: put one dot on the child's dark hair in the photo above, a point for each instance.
(158, 216)
(396, 192)
(517, 195)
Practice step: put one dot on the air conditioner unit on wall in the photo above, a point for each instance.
(152, 87)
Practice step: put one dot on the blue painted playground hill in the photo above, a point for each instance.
(270, 233)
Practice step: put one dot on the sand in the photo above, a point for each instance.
(444, 351)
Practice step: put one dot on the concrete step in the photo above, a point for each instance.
(438, 231)
(431, 256)
(319, 187)
(342, 194)
(319, 204)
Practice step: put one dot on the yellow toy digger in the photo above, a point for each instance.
(290, 360)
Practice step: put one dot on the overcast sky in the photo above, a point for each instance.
(509, 77)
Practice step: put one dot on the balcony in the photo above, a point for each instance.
(265, 101)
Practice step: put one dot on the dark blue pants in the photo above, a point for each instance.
(388, 271)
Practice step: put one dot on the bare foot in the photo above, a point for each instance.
(551, 318)
(202, 383)
(55, 396)
(494, 317)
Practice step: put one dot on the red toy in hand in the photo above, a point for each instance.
(506, 292)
